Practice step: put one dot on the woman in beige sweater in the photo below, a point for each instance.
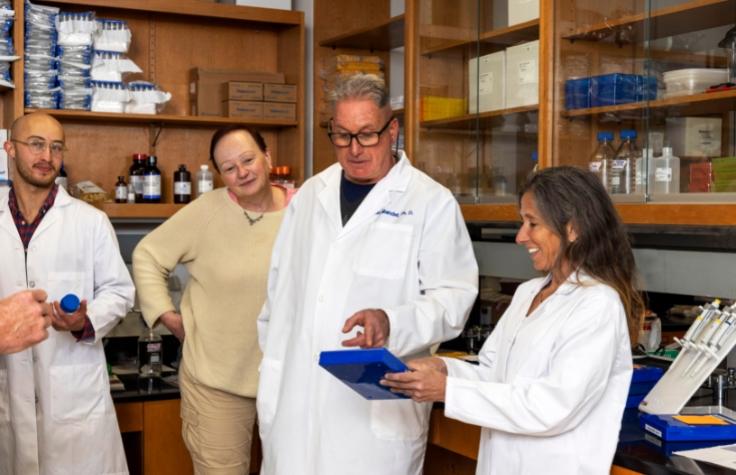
(224, 240)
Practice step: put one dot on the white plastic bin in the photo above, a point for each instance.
(681, 82)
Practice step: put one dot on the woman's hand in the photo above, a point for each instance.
(425, 382)
(175, 323)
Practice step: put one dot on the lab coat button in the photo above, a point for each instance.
(31, 284)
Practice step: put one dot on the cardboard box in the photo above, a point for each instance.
(522, 75)
(279, 92)
(521, 11)
(242, 91)
(246, 109)
(694, 136)
(205, 86)
(486, 83)
(279, 110)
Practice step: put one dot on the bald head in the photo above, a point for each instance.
(35, 120)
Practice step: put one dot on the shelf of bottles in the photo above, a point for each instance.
(646, 98)
(477, 84)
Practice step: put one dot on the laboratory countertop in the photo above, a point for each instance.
(146, 389)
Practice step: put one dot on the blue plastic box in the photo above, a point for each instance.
(667, 428)
(363, 369)
(613, 89)
(577, 93)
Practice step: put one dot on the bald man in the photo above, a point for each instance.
(56, 394)
(24, 319)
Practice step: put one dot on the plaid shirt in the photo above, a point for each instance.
(26, 230)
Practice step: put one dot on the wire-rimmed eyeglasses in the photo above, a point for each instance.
(37, 146)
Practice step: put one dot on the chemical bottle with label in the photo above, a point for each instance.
(622, 169)
(602, 157)
(665, 173)
(136, 175)
(150, 354)
(61, 178)
(182, 185)
(121, 190)
(205, 181)
(152, 182)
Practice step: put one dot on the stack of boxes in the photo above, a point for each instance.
(505, 79)
(245, 94)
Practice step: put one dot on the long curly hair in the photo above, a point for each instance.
(567, 195)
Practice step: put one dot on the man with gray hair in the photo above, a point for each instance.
(371, 253)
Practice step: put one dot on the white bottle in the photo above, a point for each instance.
(665, 173)
(205, 182)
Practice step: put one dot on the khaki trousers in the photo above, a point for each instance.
(217, 427)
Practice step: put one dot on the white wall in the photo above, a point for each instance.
(307, 6)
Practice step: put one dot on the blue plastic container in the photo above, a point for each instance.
(614, 89)
(363, 369)
(577, 93)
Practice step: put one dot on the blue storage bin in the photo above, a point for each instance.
(613, 89)
(577, 93)
(647, 88)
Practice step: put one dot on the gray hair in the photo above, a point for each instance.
(360, 86)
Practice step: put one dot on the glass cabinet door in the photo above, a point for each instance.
(477, 86)
(656, 77)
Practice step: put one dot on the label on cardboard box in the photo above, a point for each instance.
(248, 109)
(279, 92)
(242, 91)
(279, 110)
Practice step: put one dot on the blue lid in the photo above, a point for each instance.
(535, 157)
(628, 134)
(69, 303)
(605, 136)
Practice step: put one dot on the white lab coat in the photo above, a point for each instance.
(551, 387)
(56, 413)
(406, 250)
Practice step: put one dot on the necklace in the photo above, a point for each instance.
(253, 221)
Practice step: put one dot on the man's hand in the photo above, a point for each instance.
(69, 322)
(376, 328)
(175, 323)
(24, 319)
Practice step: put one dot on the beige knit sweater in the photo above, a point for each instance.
(228, 262)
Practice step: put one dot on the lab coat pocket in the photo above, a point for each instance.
(269, 385)
(67, 282)
(77, 392)
(385, 251)
(4, 396)
(399, 420)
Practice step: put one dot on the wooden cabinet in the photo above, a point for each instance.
(170, 37)
(648, 41)
(484, 156)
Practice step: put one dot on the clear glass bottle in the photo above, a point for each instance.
(135, 175)
(121, 190)
(665, 173)
(205, 181)
(150, 354)
(604, 153)
(182, 185)
(152, 182)
(622, 169)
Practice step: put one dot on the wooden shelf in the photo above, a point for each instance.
(468, 120)
(670, 21)
(188, 121)
(140, 210)
(705, 214)
(381, 37)
(502, 37)
(706, 102)
(193, 8)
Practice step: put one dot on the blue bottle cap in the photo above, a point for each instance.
(628, 134)
(535, 157)
(69, 303)
(605, 136)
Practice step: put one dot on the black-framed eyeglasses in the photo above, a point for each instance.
(364, 139)
(38, 146)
